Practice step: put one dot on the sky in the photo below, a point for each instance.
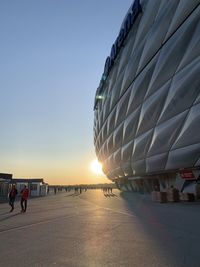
(52, 55)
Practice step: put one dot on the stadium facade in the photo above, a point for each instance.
(147, 105)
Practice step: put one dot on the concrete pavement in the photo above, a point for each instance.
(89, 230)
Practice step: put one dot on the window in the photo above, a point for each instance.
(33, 187)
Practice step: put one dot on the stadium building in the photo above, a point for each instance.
(147, 105)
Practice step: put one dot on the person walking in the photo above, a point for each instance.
(24, 197)
(12, 195)
(55, 190)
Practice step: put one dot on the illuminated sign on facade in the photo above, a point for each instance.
(128, 23)
(130, 19)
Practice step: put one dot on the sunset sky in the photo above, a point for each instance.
(52, 57)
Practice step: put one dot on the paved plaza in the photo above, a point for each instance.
(93, 230)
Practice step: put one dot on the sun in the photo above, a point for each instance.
(96, 167)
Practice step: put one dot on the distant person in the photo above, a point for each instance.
(24, 198)
(12, 195)
(55, 190)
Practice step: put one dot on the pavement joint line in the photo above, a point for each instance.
(37, 223)
(55, 219)
(116, 211)
(125, 213)
(67, 216)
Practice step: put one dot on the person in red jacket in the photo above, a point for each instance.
(24, 197)
(12, 195)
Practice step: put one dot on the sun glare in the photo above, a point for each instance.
(96, 167)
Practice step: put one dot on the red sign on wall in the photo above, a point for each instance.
(187, 174)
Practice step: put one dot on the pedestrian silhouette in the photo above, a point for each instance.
(24, 198)
(12, 195)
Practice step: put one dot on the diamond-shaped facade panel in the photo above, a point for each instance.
(147, 106)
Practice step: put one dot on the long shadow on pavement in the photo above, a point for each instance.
(8, 217)
(74, 195)
(71, 195)
(4, 213)
(109, 195)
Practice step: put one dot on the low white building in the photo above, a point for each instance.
(36, 186)
(5, 179)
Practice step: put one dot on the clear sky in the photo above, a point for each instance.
(52, 55)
